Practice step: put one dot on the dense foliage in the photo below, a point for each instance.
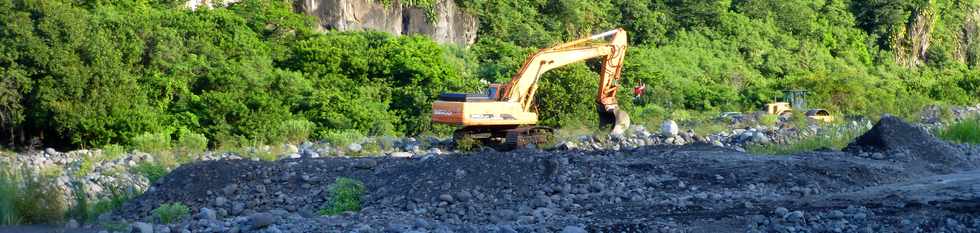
(94, 72)
(855, 57)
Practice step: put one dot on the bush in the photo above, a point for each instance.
(113, 151)
(153, 143)
(345, 195)
(295, 131)
(189, 144)
(171, 213)
(467, 143)
(152, 171)
(342, 137)
(29, 197)
(966, 131)
(769, 120)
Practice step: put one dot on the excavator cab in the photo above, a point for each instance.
(492, 93)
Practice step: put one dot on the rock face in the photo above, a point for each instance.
(194, 4)
(448, 23)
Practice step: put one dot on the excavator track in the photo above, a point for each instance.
(524, 136)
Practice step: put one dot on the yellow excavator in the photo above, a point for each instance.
(504, 115)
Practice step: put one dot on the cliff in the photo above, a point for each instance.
(443, 22)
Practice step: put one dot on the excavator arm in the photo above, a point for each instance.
(524, 84)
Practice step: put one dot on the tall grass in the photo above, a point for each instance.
(835, 140)
(29, 196)
(966, 131)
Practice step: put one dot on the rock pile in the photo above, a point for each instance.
(903, 141)
(97, 180)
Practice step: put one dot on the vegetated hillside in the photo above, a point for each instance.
(91, 73)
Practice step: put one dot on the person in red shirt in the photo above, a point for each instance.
(638, 91)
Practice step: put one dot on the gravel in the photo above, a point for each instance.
(690, 188)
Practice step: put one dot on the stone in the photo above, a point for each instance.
(72, 224)
(162, 229)
(261, 220)
(51, 151)
(220, 201)
(142, 227)
(230, 189)
(401, 154)
(208, 214)
(760, 137)
(237, 208)
(566, 146)
(781, 211)
(573, 229)
(669, 128)
(291, 149)
(354, 147)
(679, 140)
(446, 198)
(464, 196)
(795, 216)
(308, 153)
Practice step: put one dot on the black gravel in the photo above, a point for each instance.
(923, 185)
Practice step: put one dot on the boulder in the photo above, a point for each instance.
(669, 128)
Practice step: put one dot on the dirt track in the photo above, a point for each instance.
(925, 186)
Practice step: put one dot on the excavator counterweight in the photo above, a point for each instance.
(504, 114)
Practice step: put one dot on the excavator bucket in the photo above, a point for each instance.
(622, 122)
(616, 118)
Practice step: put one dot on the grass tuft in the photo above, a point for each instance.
(835, 140)
(152, 171)
(345, 195)
(29, 197)
(171, 213)
(966, 131)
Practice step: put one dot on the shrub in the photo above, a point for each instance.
(154, 143)
(966, 131)
(86, 165)
(152, 171)
(29, 197)
(467, 143)
(768, 120)
(189, 144)
(295, 131)
(342, 137)
(171, 213)
(113, 151)
(345, 195)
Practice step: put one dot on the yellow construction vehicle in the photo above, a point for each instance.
(504, 115)
(796, 100)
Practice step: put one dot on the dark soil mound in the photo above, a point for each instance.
(900, 140)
